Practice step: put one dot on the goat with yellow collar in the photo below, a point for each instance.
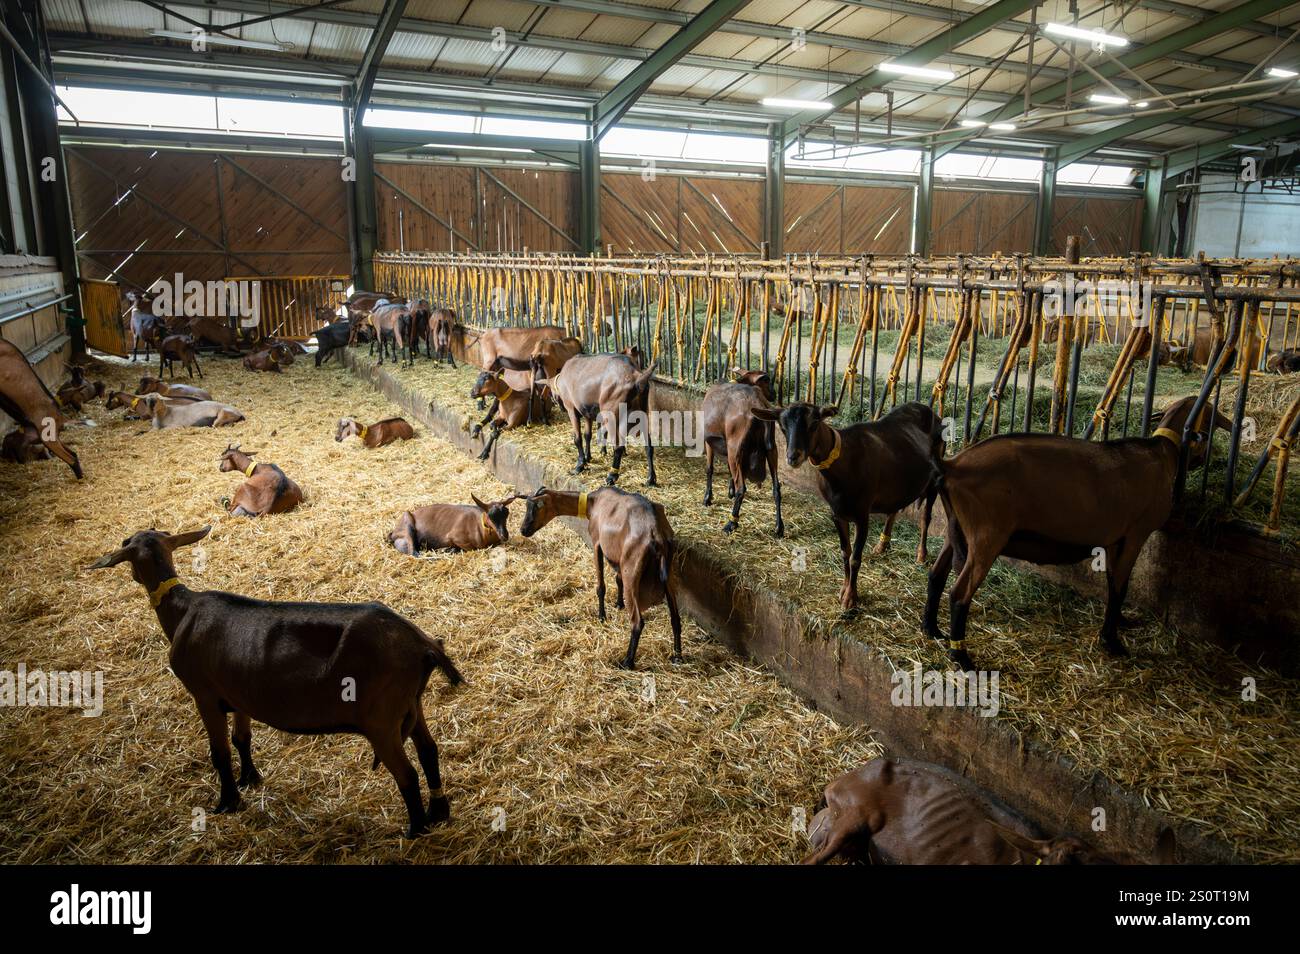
(266, 490)
(1055, 500)
(453, 527)
(374, 435)
(875, 467)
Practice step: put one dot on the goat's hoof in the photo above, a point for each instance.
(227, 806)
(708, 501)
(652, 482)
(439, 810)
(415, 831)
(475, 431)
(677, 659)
(961, 660)
(1129, 622)
(730, 526)
(1114, 648)
(619, 605)
(625, 663)
(780, 530)
(250, 779)
(483, 456)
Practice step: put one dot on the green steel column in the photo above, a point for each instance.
(924, 199)
(361, 195)
(1152, 192)
(774, 195)
(589, 237)
(1046, 206)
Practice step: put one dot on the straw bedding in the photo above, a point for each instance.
(546, 738)
(1169, 722)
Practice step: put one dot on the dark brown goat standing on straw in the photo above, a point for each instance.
(442, 327)
(178, 348)
(337, 667)
(374, 435)
(455, 527)
(872, 467)
(915, 813)
(729, 427)
(633, 535)
(267, 489)
(1053, 500)
(608, 387)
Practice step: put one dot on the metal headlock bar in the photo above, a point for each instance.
(965, 333)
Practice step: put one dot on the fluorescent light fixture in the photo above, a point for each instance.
(778, 102)
(1003, 127)
(925, 72)
(1078, 33)
(1248, 148)
(217, 39)
(1142, 104)
(447, 145)
(1281, 73)
(1108, 100)
(973, 123)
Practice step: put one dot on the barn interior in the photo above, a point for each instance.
(1033, 218)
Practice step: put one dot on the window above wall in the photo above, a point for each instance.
(1084, 173)
(139, 108)
(633, 142)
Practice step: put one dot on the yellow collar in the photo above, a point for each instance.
(156, 596)
(487, 524)
(248, 472)
(271, 355)
(1168, 434)
(364, 430)
(582, 505)
(834, 454)
(135, 402)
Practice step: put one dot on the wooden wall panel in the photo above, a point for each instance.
(846, 219)
(143, 214)
(1107, 226)
(981, 223)
(681, 214)
(440, 208)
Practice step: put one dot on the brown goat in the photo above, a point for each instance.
(152, 385)
(548, 357)
(178, 348)
(633, 535)
(375, 435)
(514, 343)
(23, 445)
(138, 408)
(274, 358)
(509, 408)
(608, 387)
(872, 467)
(78, 390)
(388, 320)
(456, 527)
(904, 812)
(1048, 499)
(25, 398)
(266, 490)
(1284, 362)
(213, 331)
(443, 329)
(729, 427)
(304, 668)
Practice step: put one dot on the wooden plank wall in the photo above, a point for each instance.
(672, 213)
(847, 220)
(980, 223)
(1107, 226)
(442, 208)
(205, 215)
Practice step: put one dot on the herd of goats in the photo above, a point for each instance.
(1036, 497)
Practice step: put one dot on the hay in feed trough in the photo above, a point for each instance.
(569, 756)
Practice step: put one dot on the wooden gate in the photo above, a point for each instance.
(101, 305)
(288, 302)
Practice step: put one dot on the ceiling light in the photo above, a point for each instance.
(218, 39)
(1281, 73)
(1078, 33)
(778, 102)
(925, 72)
(1003, 127)
(1142, 104)
(1108, 99)
(973, 123)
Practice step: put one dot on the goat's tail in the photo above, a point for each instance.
(437, 658)
(939, 477)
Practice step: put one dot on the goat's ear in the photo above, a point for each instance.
(111, 559)
(737, 372)
(478, 503)
(828, 410)
(1166, 848)
(185, 539)
(766, 413)
(1020, 842)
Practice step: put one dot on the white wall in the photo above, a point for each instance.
(1246, 225)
